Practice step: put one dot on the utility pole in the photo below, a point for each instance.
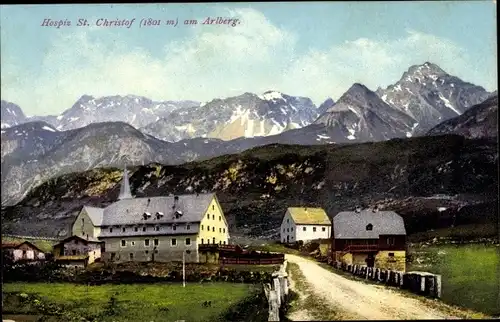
(183, 268)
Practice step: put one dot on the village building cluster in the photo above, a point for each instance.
(193, 227)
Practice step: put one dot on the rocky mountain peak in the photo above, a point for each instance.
(11, 114)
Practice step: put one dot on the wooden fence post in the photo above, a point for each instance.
(438, 286)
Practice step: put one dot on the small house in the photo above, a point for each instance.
(305, 224)
(23, 251)
(369, 237)
(78, 251)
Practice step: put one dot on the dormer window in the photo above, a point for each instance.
(159, 215)
(111, 229)
(369, 227)
(146, 215)
(178, 214)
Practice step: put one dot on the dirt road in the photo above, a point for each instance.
(357, 300)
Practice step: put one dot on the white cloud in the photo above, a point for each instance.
(220, 61)
(373, 63)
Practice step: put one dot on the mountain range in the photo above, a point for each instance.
(135, 130)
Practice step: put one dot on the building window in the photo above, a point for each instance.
(83, 221)
(213, 240)
(136, 229)
(156, 242)
(220, 242)
(123, 229)
(213, 229)
(390, 241)
(391, 254)
(291, 229)
(208, 228)
(188, 241)
(174, 242)
(201, 227)
(131, 256)
(288, 220)
(83, 233)
(288, 230)
(224, 242)
(369, 227)
(213, 217)
(202, 241)
(111, 230)
(208, 241)
(213, 207)
(132, 243)
(146, 242)
(284, 229)
(220, 230)
(157, 228)
(147, 252)
(188, 227)
(144, 228)
(174, 227)
(314, 229)
(124, 243)
(224, 230)
(323, 229)
(220, 218)
(303, 228)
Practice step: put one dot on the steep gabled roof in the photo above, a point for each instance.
(309, 216)
(17, 245)
(85, 240)
(130, 211)
(352, 224)
(95, 214)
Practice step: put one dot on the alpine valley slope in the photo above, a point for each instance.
(434, 182)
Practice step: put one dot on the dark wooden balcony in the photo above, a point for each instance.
(361, 248)
(217, 247)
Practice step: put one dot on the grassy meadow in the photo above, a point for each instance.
(135, 302)
(470, 273)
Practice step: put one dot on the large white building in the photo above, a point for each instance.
(305, 224)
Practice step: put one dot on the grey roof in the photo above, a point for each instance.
(85, 239)
(95, 214)
(351, 224)
(130, 211)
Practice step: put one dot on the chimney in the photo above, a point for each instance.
(176, 200)
(125, 187)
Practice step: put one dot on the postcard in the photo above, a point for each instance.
(250, 161)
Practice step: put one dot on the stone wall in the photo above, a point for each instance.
(391, 260)
(422, 283)
(277, 292)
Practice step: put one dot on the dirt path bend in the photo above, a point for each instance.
(362, 301)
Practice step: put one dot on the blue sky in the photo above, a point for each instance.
(314, 49)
